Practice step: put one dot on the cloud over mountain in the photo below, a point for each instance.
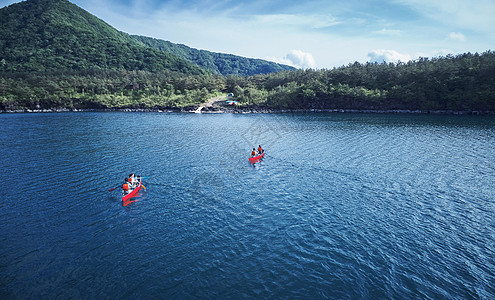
(387, 56)
(299, 59)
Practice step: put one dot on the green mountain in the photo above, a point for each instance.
(56, 35)
(217, 63)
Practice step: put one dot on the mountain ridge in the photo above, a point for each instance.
(214, 61)
(54, 35)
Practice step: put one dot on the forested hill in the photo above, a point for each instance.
(217, 63)
(461, 83)
(56, 35)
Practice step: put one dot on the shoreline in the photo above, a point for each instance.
(254, 111)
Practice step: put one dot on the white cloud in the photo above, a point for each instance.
(383, 55)
(457, 36)
(298, 59)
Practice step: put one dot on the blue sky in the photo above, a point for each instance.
(309, 34)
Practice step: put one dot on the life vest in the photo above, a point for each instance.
(125, 187)
(260, 150)
(253, 153)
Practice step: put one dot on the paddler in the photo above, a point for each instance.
(132, 180)
(260, 150)
(125, 186)
(253, 153)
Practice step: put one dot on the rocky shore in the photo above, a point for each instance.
(218, 105)
(250, 110)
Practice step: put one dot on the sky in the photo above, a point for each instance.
(318, 34)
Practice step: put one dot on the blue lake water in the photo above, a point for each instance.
(351, 206)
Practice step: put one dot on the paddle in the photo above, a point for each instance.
(141, 177)
(113, 188)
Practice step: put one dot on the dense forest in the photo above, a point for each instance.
(101, 89)
(464, 82)
(55, 55)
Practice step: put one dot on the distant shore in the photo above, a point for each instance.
(249, 110)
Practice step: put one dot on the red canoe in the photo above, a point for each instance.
(126, 198)
(256, 159)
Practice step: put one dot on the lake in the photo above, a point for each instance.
(355, 206)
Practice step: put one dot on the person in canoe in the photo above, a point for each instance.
(125, 186)
(260, 150)
(132, 180)
(253, 153)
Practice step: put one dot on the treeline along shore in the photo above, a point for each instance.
(453, 84)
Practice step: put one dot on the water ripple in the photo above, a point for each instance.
(343, 206)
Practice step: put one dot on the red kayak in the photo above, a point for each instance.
(126, 198)
(256, 159)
